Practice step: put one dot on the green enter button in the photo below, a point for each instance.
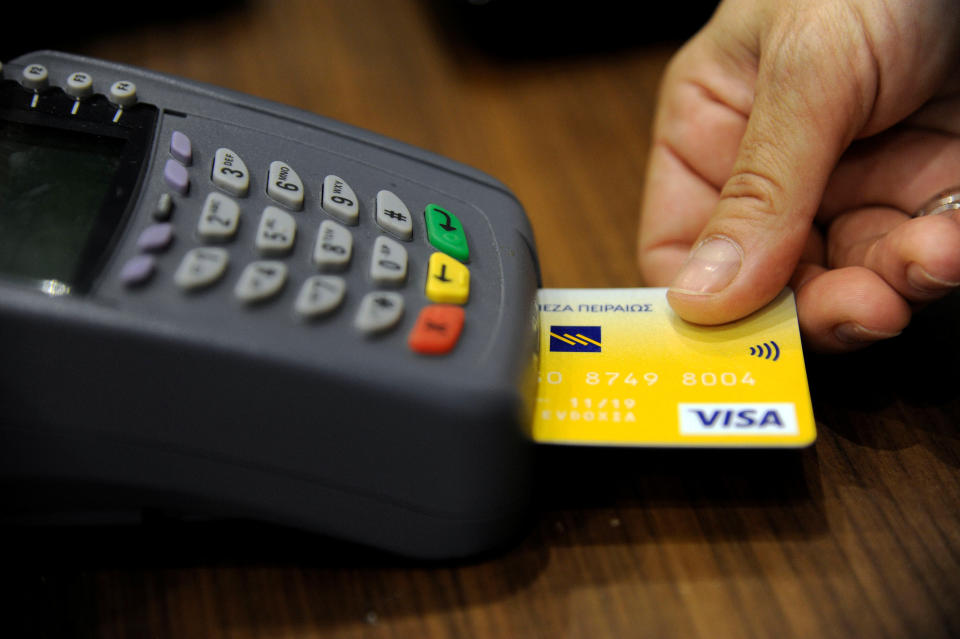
(445, 232)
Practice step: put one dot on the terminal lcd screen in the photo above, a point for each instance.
(53, 185)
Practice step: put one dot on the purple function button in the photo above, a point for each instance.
(137, 270)
(181, 148)
(176, 176)
(155, 237)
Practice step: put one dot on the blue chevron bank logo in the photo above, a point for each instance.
(730, 419)
(575, 339)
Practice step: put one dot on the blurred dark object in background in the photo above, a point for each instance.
(63, 26)
(539, 29)
(508, 29)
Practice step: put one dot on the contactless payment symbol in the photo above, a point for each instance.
(767, 350)
(575, 339)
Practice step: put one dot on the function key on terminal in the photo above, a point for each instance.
(334, 246)
(437, 329)
(181, 148)
(137, 269)
(393, 216)
(230, 173)
(218, 218)
(35, 77)
(339, 200)
(79, 85)
(155, 237)
(445, 232)
(379, 311)
(388, 264)
(448, 281)
(319, 295)
(201, 267)
(276, 231)
(260, 281)
(123, 93)
(285, 186)
(176, 176)
(164, 207)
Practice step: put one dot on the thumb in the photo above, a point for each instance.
(814, 90)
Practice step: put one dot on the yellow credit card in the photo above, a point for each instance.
(619, 368)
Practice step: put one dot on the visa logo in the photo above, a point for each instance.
(771, 418)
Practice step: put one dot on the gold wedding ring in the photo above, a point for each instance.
(945, 201)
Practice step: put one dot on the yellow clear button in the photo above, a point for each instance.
(448, 281)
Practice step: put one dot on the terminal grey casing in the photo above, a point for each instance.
(150, 397)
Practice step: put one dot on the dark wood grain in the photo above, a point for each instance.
(858, 536)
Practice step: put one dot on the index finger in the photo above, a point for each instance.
(701, 118)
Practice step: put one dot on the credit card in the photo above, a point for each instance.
(619, 368)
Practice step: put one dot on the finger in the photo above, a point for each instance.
(940, 114)
(901, 168)
(677, 203)
(853, 233)
(846, 309)
(919, 258)
(700, 120)
(814, 91)
(704, 104)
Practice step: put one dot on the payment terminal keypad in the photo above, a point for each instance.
(329, 220)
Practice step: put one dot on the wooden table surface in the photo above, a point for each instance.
(858, 536)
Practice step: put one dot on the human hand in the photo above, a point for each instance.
(792, 143)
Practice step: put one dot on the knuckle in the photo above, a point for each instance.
(757, 194)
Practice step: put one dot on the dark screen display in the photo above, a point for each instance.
(53, 184)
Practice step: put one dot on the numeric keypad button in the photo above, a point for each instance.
(285, 186)
(334, 246)
(230, 173)
(388, 265)
(339, 200)
(379, 311)
(276, 231)
(260, 281)
(320, 294)
(201, 267)
(393, 215)
(219, 218)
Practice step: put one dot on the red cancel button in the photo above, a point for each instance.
(437, 329)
